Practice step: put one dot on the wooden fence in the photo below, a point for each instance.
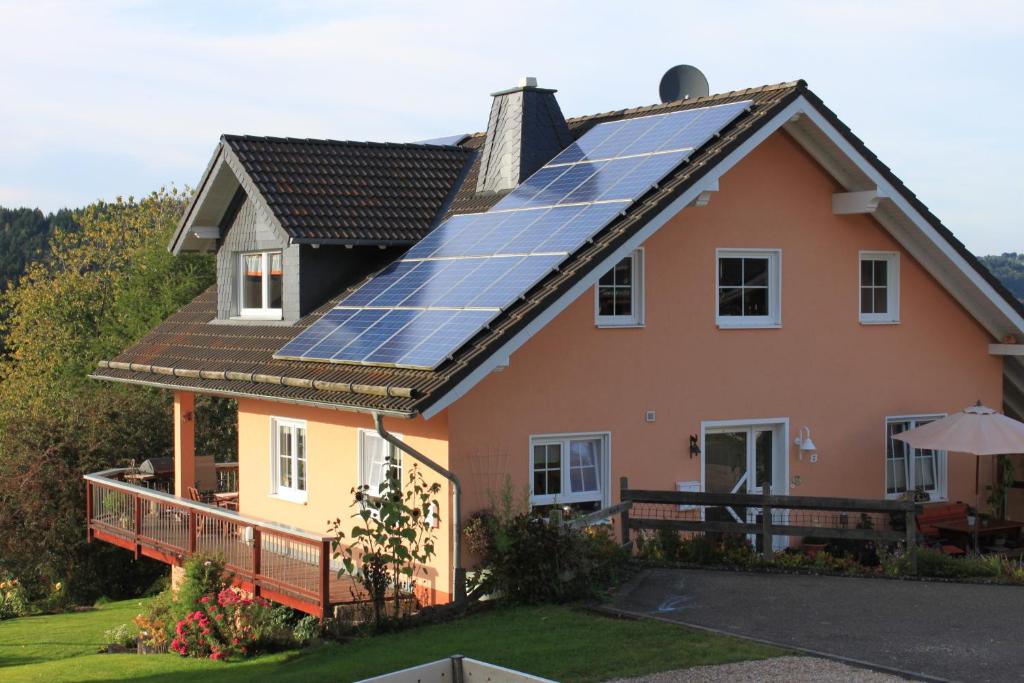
(881, 521)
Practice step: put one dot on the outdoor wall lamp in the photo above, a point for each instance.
(805, 444)
(694, 446)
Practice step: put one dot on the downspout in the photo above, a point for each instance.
(459, 574)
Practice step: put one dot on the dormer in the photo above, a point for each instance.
(294, 221)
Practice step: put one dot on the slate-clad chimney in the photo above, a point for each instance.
(525, 130)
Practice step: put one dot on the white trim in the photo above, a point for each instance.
(708, 182)
(1006, 349)
(863, 201)
(604, 468)
(800, 106)
(774, 318)
(264, 312)
(892, 286)
(291, 494)
(885, 188)
(360, 474)
(941, 463)
(636, 319)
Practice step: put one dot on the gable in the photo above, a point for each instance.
(853, 167)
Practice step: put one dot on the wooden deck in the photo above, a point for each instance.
(286, 565)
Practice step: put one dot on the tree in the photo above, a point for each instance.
(103, 286)
(1008, 267)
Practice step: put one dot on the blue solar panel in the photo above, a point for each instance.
(421, 309)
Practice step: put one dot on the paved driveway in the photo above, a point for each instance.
(947, 631)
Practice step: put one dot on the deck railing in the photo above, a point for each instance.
(287, 565)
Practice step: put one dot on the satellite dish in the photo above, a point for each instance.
(683, 82)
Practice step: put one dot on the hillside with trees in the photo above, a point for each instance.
(102, 284)
(25, 237)
(1009, 268)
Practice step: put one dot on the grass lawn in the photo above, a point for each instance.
(561, 643)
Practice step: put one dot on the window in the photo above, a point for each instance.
(261, 285)
(375, 456)
(569, 470)
(748, 288)
(908, 469)
(879, 287)
(619, 294)
(289, 459)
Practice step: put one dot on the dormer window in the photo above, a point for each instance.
(261, 285)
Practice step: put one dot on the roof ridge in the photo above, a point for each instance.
(229, 137)
(706, 99)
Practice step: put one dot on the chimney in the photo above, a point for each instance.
(526, 129)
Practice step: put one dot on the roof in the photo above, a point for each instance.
(343, 191)
(188, 340)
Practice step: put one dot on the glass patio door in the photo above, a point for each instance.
(738, 460)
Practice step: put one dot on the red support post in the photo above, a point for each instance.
(88, 511)
(325, 578)
(257, 556)
(138, 525)
(191, 532)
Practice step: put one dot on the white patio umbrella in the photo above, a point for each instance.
(977, 431)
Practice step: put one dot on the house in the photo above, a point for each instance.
(739, 274)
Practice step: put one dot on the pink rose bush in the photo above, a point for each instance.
(223, 626)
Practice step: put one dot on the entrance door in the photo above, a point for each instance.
(740, 459)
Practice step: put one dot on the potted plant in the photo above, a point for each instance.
(972, 515)
(813, 545)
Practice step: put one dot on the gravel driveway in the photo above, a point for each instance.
(778, 670)
(939, 631)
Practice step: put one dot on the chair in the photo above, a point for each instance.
(937, 514)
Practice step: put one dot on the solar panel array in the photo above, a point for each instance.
(422, 308)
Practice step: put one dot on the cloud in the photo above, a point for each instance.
(147, 87)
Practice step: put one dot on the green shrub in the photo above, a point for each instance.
(123, 635)
(533, 560)
(204, 575)
(307, 630)
(13, 599)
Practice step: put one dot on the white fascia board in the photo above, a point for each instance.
(1006, 349)
(885, 188)
(708, 183)
(188, 218)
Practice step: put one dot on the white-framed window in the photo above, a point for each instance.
(260, 285)
(879, 287)
(375, 456)
(288, 459)
(619, 294)
(748, 288)
(569, 469)
(908, 468)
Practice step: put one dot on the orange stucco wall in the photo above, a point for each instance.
(332, 449)
(822, 369)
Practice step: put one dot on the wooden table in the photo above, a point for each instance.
(228, 501)
(962, 531)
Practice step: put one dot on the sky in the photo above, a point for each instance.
(114, 98)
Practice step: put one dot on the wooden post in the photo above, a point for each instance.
(911, 524)
(257, 550)
(325, 578)
(88, 511)
(767, 538)
(623, 485)
(192, 532)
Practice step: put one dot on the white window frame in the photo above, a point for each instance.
(602, 496)
(636, 318)
(892, 288)
(941, 492)
(263, 313)
(361, 472)
(290, 493)
(774, 318)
